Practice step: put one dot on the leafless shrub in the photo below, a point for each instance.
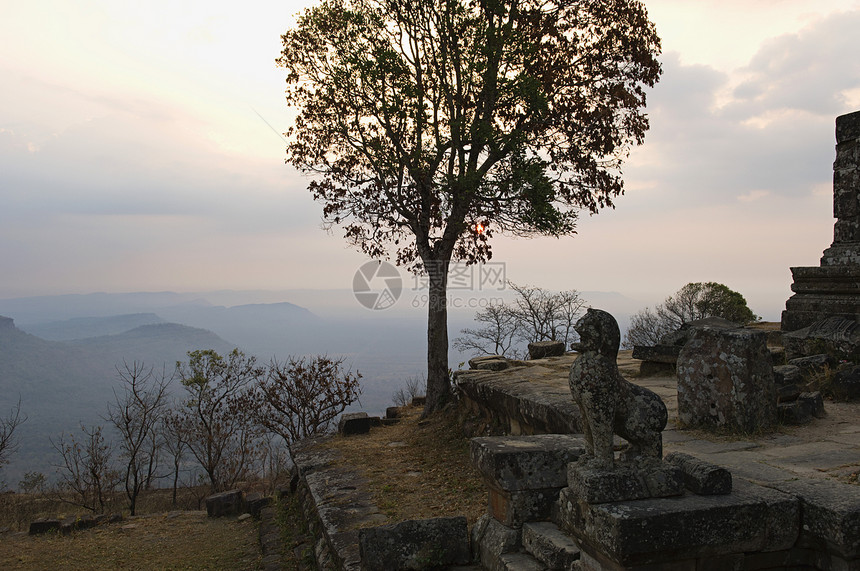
(302, 396)
(414, 387)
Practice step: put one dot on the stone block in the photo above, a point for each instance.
(830, 515)
(846, 383)
(415, 544)
(624, 482)
(513, 463)
(392, 412)
(544, 349)
(787, 393)
(353, 423)
(227, 503)
(777, 354)
(667, 354)
(546, 543)
(489, 363)
(812, 364)
(255, 502)
(41, 526)
(838, 337)
(652, 369)
(701, 477)
(513, 509)
(848, 127)
(803, 409)
(665, 530)
(813, 403)
(787, 375)
(491, 540)
(725, 379)
(793, 413)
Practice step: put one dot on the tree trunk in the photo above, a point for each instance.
(438, 381)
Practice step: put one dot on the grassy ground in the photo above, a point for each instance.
(417, 468)
(297, 547)
(179, 540)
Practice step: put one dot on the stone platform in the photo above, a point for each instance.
(790, 507)
(521, 399)
(797, 524)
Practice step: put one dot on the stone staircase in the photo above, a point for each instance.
(548, 546)
(539, 517)
(544, 547)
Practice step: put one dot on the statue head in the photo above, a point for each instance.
(598, 331)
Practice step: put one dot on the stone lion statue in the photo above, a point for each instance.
(610, 404)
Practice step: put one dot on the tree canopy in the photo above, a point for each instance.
(431, 124)
(696, 300)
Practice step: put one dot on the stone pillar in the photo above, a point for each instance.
(845, 250)
(833, 288)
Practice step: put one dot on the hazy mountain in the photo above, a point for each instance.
(42, 309)
(158, 344)
(83, 327)
(64, 384)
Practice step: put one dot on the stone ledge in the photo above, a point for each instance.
(415, 544)
(752, 518)
(524, 399)
(526, 462)
(335, 503)
(830, 515)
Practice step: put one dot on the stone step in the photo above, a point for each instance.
(548, 544)
(520, 562)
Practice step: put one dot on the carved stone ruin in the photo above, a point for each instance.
(725, 380)
(559, 501)
(833, 288)
(611, 405)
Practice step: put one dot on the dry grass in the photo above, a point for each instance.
(417, 468)
(17, 510)
(180, 540)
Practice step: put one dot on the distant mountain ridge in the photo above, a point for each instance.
(84, 327)
(65, 383)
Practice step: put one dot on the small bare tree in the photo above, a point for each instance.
(536, 314)
(497, 336)
(648, 327)
(415, 386)
(8, 425)
(87, 477)
(545, 315)
(175, 444)
(303, 395)
(136, 413)
(217, 417)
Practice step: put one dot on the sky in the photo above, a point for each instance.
(140, 151)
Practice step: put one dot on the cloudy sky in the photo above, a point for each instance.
(139, 150)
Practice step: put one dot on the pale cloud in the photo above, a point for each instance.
(132, 157)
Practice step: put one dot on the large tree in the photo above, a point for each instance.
(430, 124)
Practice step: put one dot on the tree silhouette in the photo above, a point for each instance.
(430, 125)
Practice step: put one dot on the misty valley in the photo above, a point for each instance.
(60, 354)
